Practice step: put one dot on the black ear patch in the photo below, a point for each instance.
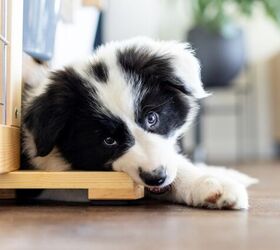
(45, 119)
(151, 68)
(141, 61)
(48, 113)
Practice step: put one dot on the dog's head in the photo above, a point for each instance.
(124, 109)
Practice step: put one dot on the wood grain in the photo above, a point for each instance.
(116, 193)
(1, 113)
(150, 225)
(9, 149)
(101, 185)
(1, 63)
(14, 62)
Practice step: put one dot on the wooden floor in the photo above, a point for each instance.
(149, 225)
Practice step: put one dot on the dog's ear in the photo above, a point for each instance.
(47, 114)
(167, 61)
(186, 68)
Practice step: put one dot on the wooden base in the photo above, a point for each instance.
(133, 193)
(100, 185)
(9, 148)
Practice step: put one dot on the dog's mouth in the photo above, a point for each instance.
(159, 190)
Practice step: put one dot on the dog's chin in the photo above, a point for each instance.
(162, 189)
(166, 186)
(159, 190)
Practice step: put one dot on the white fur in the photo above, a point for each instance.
(195, 186)
(149, 152)
(232, 173)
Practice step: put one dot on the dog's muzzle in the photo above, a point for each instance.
(154, 178)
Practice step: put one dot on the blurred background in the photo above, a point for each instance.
(237, 41)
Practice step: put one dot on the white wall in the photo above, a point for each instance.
(126, 18)
(166, 19)
(75, 33)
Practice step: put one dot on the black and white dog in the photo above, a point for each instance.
(124, 109)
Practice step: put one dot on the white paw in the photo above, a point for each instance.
(213, 192)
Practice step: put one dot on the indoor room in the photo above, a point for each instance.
(139, 124)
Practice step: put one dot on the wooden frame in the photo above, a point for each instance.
(12, 35)
(100, 185)
(9, 148)
(11, 99)
(14, 63)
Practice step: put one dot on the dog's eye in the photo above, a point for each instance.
(110, 141)
(151, 119)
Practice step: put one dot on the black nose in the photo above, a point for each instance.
(154, 178)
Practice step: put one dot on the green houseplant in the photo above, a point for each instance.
(217, 39)
(215, 16)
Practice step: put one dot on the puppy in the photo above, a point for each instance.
(124, 109)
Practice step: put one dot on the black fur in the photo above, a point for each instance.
(49, 113)
(82, 141)
(100, 72)
(171, 107)
(156, 77)
(150, 68)
(67, 116)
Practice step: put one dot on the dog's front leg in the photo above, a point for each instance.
(196, 187)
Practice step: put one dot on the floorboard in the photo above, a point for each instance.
(149, 225)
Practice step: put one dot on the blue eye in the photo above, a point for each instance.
(110, 141)
(151, 119)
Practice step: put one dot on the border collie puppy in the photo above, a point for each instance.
(124, 109)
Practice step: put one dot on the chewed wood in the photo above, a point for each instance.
(9, 148)
(100, 185)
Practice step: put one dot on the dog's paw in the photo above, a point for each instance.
(216, 193)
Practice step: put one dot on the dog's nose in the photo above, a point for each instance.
(154, 178)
